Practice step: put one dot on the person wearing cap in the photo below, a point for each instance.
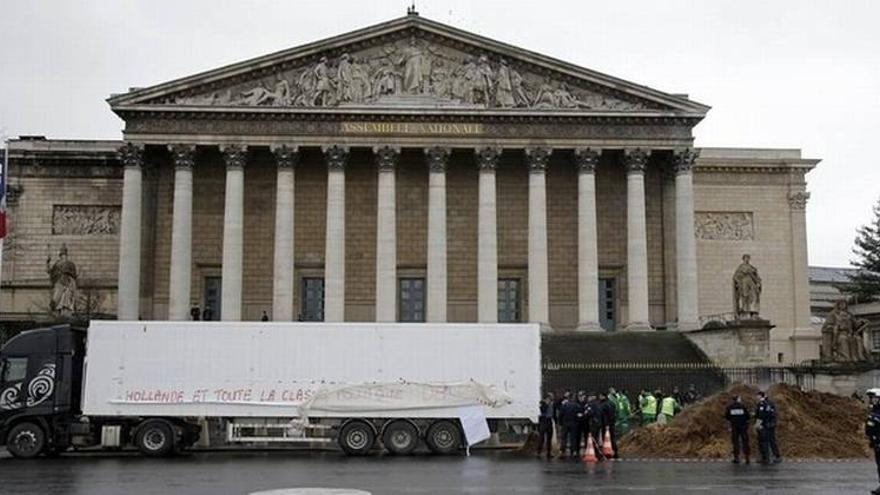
(767, 417)
(872, 429)
(570, 415)
(545, 424)
(738, 416)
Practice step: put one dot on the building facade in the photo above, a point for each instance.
(411, 171)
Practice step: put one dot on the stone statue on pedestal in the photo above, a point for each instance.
(843, 336)
(62, 274)
(746, 290)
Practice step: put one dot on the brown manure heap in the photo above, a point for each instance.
(811, 425)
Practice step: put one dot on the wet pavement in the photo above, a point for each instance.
(220, 473)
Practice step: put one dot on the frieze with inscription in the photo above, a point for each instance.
(85, 220)
(412, 72)
(724, 225)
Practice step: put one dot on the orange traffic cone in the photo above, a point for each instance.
(607, 448)
(590, 456)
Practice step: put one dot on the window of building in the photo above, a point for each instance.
(606, 303)
(411, 300)
(509, 300)
(213, 291)
(312, 299)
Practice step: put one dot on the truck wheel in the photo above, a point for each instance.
(356, 438)
(25, 440)
(155, 438)
(443, 437)
(400, 437)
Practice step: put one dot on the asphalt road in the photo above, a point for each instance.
(219, 473)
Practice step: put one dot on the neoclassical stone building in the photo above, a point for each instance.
(413, 171)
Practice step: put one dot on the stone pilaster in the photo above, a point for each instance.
(128, 297)
(438, 159)
(685, 241)
(586, 160)
(537, 160)
(334, 252)
(487, 237)
(797, 201)
(235, 158)
(286, 159)
(635, 161)
(180, 279)
(386, 234)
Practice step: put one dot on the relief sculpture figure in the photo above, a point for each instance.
(843, 336)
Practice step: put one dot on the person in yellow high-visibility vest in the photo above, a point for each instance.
(669, 407)
(648, 405)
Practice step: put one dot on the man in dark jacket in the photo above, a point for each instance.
(570, 415)
(545, 424)
(872, 429)
(739, 416)
(609, 420)
(767, 417)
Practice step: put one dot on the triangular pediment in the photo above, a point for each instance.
(408, 63)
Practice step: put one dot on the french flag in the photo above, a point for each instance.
(4, 173)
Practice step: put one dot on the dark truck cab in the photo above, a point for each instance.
(40, 390)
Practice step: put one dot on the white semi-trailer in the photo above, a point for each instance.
(154, 385)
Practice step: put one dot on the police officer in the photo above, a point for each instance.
(739, 416)
(570, 415)
(872, 428)
(609, 420)
(545, 424)
(767, 418)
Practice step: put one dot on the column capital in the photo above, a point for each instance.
(386, 157)
(131, 155)
(183, 155)
(487, 158)
(683, 160)
(285, 156)
(587, 159)
(538, 158)
(336, 156)
(438, 158)
(234, 155)
(635, 160)
(798, 200)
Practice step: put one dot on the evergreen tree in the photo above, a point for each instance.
(864, 285)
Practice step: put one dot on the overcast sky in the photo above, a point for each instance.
(793, 74)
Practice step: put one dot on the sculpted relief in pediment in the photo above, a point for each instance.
(414, 73)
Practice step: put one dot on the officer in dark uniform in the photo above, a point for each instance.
(739, 416)
(767, 418)
(609, 419)
(570, 415)
(872, 429)
(545, 424)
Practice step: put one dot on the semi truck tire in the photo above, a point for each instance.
(26, 440)
(400, 437)
(356, 437)
(443, 437)
(155, 438)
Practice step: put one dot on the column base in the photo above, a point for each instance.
(590, 326)
(544, 327)
(685, 326)
(638, 327)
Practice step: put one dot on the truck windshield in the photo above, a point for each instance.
(13, 369)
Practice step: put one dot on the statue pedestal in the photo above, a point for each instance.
(734, 343)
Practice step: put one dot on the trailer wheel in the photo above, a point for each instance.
(443, 437)
(26, 440)
(356, 437)
(155, 438)
(400, 437)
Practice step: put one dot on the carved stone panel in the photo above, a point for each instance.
(724, 225)
(85, 220)
(411, 71)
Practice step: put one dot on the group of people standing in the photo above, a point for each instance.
(657, 407)
(766, 420)
(578, 420)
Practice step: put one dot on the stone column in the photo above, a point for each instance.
(588, 248)
(438, 159)
(487, 240)
(386, 234)
(685, 241)
(636, 161)
(286, 158)
(128, 295)
(180, 278)
(797, 201)
(334, 247)
(233, 232)
(537, 160)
